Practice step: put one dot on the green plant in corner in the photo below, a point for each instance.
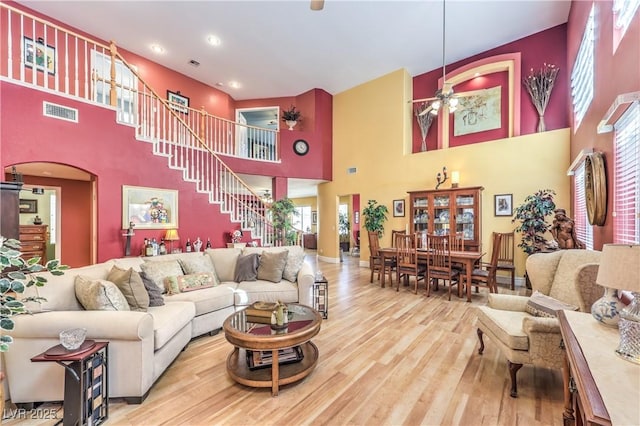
(374, 217)
(281, 213)
(16, 275)
(531, 214)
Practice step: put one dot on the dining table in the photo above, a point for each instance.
(467, 258)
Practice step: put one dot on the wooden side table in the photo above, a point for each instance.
(86, 384)
(321, 296)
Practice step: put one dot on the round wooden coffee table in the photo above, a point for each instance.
(304, 323)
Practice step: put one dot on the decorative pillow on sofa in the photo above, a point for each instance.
(272, 265)
(99, 295)
(247, 268)
(130, 284)
(198, 265)
(157, 271)
(155, 294)
(181, 283)
(541, 305)
(295, 259)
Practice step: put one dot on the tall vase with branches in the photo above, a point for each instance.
(539, 84)
(424, 121)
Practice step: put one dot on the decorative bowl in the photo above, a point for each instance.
(72, 338)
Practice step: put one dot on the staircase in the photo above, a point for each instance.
(189, 139)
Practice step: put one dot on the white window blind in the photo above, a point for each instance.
(582, 74)
(623, 12)
(584, 231)
(626, 185)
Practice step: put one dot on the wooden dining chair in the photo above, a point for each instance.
(375, 259)
(505, 257)
(407, 260)
(485, 276)
(439, 265)
(395, 232)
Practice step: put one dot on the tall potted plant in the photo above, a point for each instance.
(281, 214)
(344, 226)
(374, 217)
(531, 214)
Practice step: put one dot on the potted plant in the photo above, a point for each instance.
(291, 116)
(531, 214)
(374, 217)
(344, 226)
(281, 213)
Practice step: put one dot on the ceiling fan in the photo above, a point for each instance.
(317, 4)
(443, 96)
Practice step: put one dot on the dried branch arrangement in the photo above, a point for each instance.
(539, 85)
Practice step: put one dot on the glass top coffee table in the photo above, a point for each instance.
(253, 342)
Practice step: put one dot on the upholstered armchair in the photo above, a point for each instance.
(568, 276)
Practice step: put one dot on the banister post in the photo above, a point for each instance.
(113, 94)
(203, 115)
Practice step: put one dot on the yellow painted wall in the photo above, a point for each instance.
(372, 132)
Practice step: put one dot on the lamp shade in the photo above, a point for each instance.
(171, 235)
(620, 267)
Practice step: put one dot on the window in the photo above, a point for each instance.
(582, 75)
(584, 231)
(303, 219)
(626, 175)
(126, 84)
(623, 13)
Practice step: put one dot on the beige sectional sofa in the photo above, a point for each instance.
(142, 344)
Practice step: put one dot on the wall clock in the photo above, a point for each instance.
(301, 147)
(595, 189)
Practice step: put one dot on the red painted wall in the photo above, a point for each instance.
(546, 46)
(615, 73)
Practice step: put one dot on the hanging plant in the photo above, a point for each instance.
(291, 114)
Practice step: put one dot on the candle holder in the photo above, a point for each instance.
(441, 177)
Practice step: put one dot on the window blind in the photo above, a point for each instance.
(626, 186)
(584, 231)
(623, 11)
(582, 74)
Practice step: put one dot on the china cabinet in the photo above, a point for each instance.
(445, 211)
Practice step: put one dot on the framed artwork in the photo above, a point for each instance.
(398, 208)
(314, 218)
(36, 53)
(178, 102)
(149, 208)
(503, 204)
(478, 111)
(28, 206)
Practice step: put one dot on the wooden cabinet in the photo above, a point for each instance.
(10, 214)
(446, 211)
(33, 239)
(309, 241)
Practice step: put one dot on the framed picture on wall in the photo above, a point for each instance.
(503, 204)
(178, 102)
(314, 218)
(149, 208)
(28, 206)
(38, 55)
(398, 208)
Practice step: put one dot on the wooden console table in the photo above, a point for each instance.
(600, 388)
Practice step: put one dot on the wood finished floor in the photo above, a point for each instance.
(386, 358)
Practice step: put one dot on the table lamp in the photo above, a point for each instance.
(171, 236)
(620, 270)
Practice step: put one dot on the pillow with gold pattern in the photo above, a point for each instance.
(181, 283)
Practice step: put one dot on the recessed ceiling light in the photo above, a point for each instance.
(220, 84)
(156, 48)
(214, 40)
(234, 84)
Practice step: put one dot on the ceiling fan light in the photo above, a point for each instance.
(435, 105)
(452, 108)
(453, 102)
(434, 112)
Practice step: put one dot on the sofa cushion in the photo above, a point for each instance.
(505, 326)
(197, 265)
(157, 271)
(248, 292)
(169, 319)
(130, 284)
(99, 295)
(224, 262)
(540, 305)
(155, 295)
(181, 283)
(295, 259)
(272, 266)
(247, 268)
(209, 299)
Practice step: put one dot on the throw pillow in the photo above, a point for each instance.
(157, 271)
(182, 283)
(198, 265)
(295, 259)
(131, 286)
(541, 305)
(247, 268)
(272, 266)
(99, 295)
(155, 295)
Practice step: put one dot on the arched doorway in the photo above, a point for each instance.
(65, 199)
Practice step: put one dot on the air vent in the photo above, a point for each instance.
(60, 112)
(352, 171)
(194, 63)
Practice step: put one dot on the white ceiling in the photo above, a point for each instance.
(282, 48)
